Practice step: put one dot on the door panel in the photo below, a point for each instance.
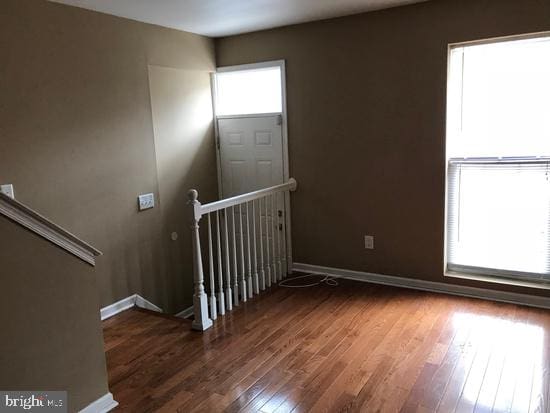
(235, 138)
(256, 145)
(263, 138)
(238, 175)
(251, 158)
(264, 173)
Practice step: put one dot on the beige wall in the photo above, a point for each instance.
(77, 138)
(49, 313)
(366, 104)
(181, 102)
(89, 119)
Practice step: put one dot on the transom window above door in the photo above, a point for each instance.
(498, 160)
(251, 126)
(249, 91)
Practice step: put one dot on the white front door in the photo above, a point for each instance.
(251, 153)
(252, 147)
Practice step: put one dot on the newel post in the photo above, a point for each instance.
(200, 301)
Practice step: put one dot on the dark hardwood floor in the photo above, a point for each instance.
(355, 347)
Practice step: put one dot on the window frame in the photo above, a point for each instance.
(249, 67)
(504, 277)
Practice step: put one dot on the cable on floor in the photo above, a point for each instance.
(328, 280)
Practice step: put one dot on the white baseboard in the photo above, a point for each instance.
(104, 404)
(473, 292)
(133, 301)
(146, 304)
(118, 307)
(185, 313)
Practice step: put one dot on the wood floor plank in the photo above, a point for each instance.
(405, 373)
(461, 371)
(352, 348)
(374, 327)
(487, 349)
(493, 374)
(314, 372)
(428, 395)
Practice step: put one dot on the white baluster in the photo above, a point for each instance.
(279, 230)
(273, 241)
(221, 299)
(200, 301)
(262, 272)
(249, 253)
(267, 247)
(228, 296)
(243, 270)
(283, 222)
(256, 283)
(213, 309)
(235, 269)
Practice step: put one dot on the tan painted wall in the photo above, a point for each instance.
(77, 138)
(181, 102)
(366, 102)
(49, 313)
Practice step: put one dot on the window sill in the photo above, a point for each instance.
(497, 280)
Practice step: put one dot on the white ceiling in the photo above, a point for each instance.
(217, 18)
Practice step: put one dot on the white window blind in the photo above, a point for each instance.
(499, 217)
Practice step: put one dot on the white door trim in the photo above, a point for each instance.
(284, 128)
(251, 115)
(251, 66)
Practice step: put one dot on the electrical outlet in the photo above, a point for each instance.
(146, 201)
(369, 242)
(7, 190)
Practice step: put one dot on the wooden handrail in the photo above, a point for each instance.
(33, 221)
(290, 185)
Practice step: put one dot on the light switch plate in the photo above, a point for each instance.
(7, 189)
(146, 201)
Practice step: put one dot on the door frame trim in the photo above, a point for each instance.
(251, 115)
(284, 128)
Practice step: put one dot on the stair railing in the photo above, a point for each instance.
(249, 257)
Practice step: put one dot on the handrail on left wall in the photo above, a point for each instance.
(42, 226)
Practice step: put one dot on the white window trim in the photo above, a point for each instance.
(496, 280)
(501, 39)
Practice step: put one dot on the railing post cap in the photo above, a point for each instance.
(193, 195)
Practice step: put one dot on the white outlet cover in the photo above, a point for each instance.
(369, 242)
(146, 201)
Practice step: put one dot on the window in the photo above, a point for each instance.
(244, 92)
(498, 154)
